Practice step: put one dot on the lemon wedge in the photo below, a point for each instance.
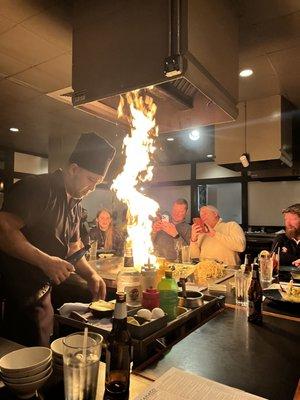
(132, 321)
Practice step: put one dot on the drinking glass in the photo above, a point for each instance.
(81, 364)
(93, 250)
(178, 247)
(241, 288)
(266, 270)
(276, 263)
(185, 254)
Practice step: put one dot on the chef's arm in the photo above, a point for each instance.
(15, 244)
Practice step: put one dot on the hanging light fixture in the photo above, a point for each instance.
(245, 157)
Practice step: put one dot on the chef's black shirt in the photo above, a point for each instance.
(51, 223)
(289, 249)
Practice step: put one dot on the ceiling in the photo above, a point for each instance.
(35, 59)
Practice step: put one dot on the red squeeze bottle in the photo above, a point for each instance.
(150, 299)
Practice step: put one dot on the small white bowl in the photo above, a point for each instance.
(29, 378)
(27, 390)
(22, 374)
(25, 359)
(57, 347)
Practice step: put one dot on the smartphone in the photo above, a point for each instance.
(199, 221)
(165, 217)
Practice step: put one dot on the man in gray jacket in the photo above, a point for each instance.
(170, 235)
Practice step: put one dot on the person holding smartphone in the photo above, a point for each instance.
(213, 238)
(171, 231)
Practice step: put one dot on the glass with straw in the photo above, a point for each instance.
(81, 353)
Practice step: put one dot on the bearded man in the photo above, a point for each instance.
(289, 242)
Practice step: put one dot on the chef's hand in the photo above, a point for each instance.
(97, 287)
(169, 228)
(57, 269)
(296, 263)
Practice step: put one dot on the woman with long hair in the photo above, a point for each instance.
(108, 236)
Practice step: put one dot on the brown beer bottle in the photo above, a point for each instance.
(247, 263)
(118, 354)
(255, 297)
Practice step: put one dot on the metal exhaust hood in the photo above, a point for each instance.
(186, 49)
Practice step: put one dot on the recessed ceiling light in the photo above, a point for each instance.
(170, 139)
(142, 188)
(244, 73)
(194, 135)
(14, 129)
(209, 155)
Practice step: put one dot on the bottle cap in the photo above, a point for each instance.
(168, 274)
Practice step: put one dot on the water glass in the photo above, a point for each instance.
(185, 254)
(93, 250)
(266, 269)
(241, 288)
(81, 364)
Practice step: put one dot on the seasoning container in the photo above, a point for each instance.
(148, 277)
(168, 295)
(150, 298)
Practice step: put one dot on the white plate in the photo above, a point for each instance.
(105, 255)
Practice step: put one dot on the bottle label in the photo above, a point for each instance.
(168, 300)
(120, 311)
(132, 292)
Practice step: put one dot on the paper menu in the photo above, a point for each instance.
(176, 384)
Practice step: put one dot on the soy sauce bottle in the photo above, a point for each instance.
(118, 354)
(255, 294)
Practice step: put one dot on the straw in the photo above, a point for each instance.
(85, 337)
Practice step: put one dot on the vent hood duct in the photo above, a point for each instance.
(186, 49)
(264, 130)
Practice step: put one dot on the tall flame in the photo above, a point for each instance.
(138, 145)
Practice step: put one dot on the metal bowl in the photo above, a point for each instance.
(193, 299)
(296, 275)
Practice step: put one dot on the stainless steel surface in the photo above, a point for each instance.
(198, 93)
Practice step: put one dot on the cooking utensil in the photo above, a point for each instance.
(296, 275)
(193, 299)
(73, 258)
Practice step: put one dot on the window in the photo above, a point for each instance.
(226, 197)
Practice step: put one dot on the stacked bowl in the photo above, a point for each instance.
(57, 355)
(25, 370)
